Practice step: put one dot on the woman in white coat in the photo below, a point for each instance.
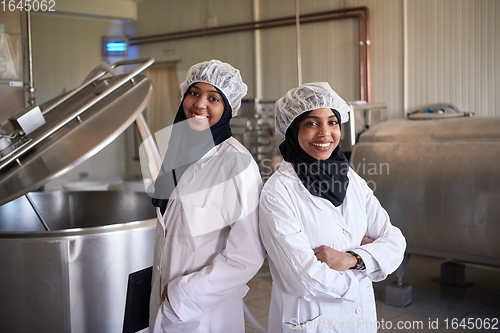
(207, 242)
(326, 234)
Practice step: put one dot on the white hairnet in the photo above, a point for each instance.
(222, 76)
(307, 97)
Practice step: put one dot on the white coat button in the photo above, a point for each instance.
(358, 310)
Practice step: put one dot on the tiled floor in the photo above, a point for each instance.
(432, 304)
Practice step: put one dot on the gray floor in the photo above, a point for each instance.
(432, 304)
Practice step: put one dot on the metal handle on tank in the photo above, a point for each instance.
(150, 146)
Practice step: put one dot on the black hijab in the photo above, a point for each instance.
(323, 178)
(186, 146)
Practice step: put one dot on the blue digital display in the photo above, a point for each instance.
(115, 46)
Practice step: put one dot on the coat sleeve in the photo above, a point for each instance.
(226, 276)
(385, 254)
(289, 250)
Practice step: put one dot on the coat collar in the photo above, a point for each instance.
(324, 205)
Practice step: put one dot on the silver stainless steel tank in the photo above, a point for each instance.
(65, 257)
(439, 180)
(74, 277)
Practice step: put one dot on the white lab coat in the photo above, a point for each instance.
(308, 296)
(207, 244)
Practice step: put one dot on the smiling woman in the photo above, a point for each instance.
(203, 106)
(207, 241)
(326, 234)
(319, 133)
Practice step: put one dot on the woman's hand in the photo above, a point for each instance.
(367, 240)
(339, 261)
(164, 294)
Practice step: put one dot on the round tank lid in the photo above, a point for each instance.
(74, 130)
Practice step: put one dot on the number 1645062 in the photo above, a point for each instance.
(28, 5)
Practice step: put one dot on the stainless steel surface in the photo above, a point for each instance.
(361, 117)
(66, 256)
(52, 152)
(439, 180)
(101, 94)
(37, 212)
(98, 73)
(74, 277)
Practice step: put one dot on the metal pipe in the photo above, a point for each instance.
(359, 13)
(405, 60)
(362, 60)
(31, 85)
(258, 53)
(150, 146)
(400, 272)
(368, 44)
(299, 43)
(240, 27)
(352, 126)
